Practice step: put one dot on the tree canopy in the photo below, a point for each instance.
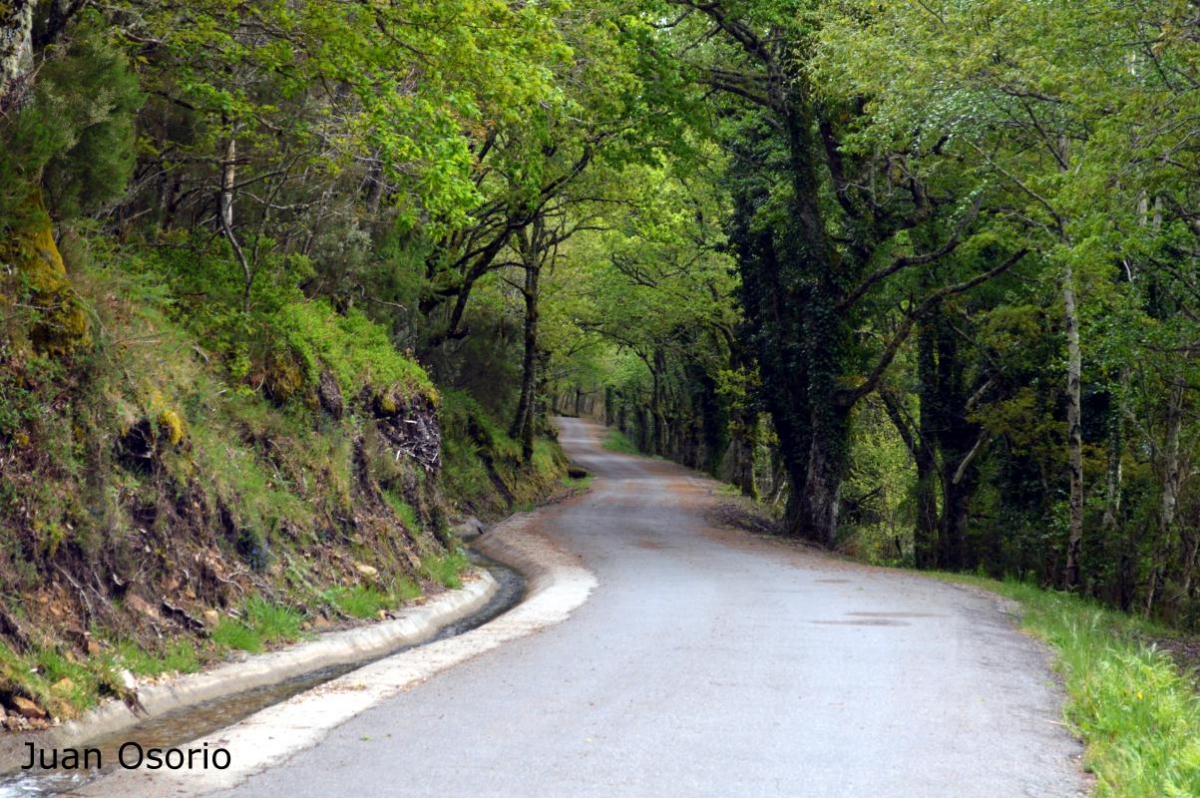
(920, 275)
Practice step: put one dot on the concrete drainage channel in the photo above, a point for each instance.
(184, 711)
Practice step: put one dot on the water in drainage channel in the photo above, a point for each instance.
(184, 725)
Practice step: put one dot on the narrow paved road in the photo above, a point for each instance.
(707, 663)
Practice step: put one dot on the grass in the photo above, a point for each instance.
(263, 623)
(235, 634)
(180, 657)
(446, 570)
(1139, 716)
(365, 602)
(359, 601)
(582, 483)
(403, 510)
(617, 441)
(405, 589)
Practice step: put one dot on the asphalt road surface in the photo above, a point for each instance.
(711, 663)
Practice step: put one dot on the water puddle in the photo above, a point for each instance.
(895, 615)
(183, 725)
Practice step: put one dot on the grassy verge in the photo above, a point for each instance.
(1139, 716)
(617, 441)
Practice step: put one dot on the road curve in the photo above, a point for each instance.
(708, 663)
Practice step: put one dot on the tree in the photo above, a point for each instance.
(820, 230)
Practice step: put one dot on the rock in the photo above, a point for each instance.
(321, 622)
(63, 685)
(468, 528)
(127, 681)
(366, 571)
(141, 606)
(26, 708)
(329, 394)
(211, 618)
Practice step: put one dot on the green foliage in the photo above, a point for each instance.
(61, 683)
(580, 483)
(76, 133)
(405, 589)
(356, 349)
(617, 441)
(179, 656)
(403, 510)
(879, 511)
(359, 601)
(446, 570)
(237, 635)
(272, 622)
(263, 622)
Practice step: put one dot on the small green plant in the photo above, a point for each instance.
(403, 510)
(235, 634)
(446, 570)
(617, 441)
(264, 622)
(273, 622)
(405, 589)
(359, 601)
(179, 657)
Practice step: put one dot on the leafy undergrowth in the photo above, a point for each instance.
(483, 473)
(1129, 701)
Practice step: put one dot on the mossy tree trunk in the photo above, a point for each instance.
(60, 326)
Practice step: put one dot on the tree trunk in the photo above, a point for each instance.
(523, 427)
(956, 514)
(658, 421)
(747, 432)
(917, 437)
(925, 536)
(1074, 431)
(1116, 450)
(817, 500)
(1170, 468)
(16, 53)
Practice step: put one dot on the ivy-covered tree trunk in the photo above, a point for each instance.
(810, 280)
(817, 501)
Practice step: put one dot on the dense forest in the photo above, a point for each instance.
(290, 288)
